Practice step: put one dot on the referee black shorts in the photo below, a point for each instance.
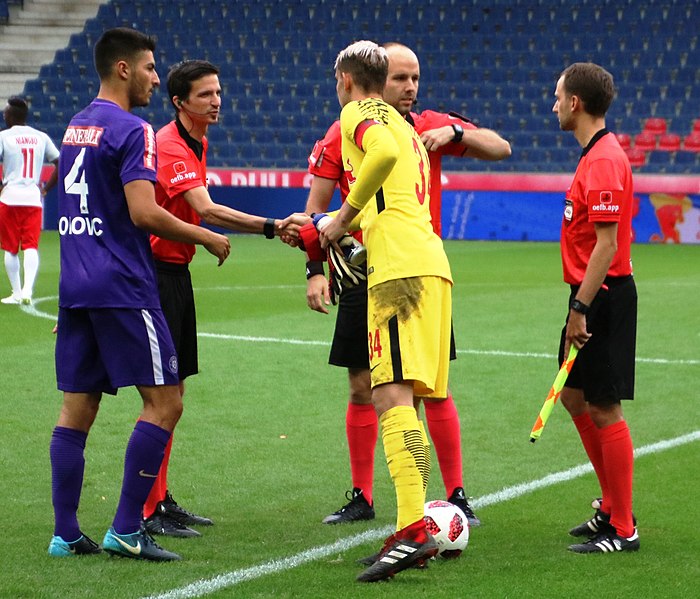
(350, 347)
(604, 367)
(177, 302)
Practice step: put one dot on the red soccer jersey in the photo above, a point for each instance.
(600, 192)
(326, 160)
(179, 170)
(425, 121)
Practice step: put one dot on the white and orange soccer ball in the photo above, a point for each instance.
(449, 526)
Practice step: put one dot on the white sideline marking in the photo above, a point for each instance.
(247, 287)
(262, 339)
(33, 311)
(211, 585)
(475, 352)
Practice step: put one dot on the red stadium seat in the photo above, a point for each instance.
(696, 125)
(691, 143)
(656, 125)
(624, 139)
(645, 141)
(636, 157)
(670, 142)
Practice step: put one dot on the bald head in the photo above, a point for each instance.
(401, 89)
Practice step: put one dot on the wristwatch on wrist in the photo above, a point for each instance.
(579, 307)
(269, 228)
(459, 132)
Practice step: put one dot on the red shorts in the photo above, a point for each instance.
(20, 226)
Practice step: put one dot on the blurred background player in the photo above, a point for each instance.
(602, 312)
(111, 329)
(23, 151)
(409, 287)
(442, 134)
(195, 92)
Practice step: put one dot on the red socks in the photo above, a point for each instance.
(414, 532)
(590, 438)
(443, 424)
(362, 427)
(611, 452)
(160, 486)
(618, 455)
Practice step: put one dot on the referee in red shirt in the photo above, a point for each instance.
(181, 188)
(602, 311)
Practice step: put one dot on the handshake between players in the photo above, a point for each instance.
(324, 238)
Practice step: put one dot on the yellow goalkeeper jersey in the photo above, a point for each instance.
(394, 200)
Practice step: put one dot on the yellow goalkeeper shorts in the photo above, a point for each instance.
(409, 324)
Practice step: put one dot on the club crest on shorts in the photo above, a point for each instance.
(172, 364)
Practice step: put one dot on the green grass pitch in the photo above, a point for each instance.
(261, 447)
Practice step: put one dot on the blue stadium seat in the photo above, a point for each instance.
(660, 160)
(687, 162)
(33, 90)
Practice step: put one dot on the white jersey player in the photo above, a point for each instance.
(23, 151)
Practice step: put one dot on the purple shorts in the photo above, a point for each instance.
(102, 349)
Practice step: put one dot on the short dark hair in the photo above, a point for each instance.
(183, 74)
(17, 109)
(593, 84)
(368, 64)
(120, 43)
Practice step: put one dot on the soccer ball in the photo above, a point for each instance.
(450, 527)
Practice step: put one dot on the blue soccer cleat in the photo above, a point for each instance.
(137, 545)
(83, 546)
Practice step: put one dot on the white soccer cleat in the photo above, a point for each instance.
(10, 299)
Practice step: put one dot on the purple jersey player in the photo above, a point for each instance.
(111, 331)
(104, 148)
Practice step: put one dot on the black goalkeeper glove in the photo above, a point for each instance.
(348, 267)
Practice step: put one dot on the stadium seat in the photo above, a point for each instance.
(669, 142)
(625, 140)
(696, 125)
(691, 142)
(636, 157)
(645, 141)
(686, 162)
(656, 125)
(660, 160)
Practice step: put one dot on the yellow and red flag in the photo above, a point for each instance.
(553, 395)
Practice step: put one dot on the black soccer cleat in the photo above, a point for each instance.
(138, 545)
(608, 542)
(170, 508)
(599, 523)
(84, 545)
(162, 524)
(370, 559)
(357, 509)
(459, 499)
(398, 555)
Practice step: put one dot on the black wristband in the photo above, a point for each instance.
(314, 267)
(269, 228)
(578, 306)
